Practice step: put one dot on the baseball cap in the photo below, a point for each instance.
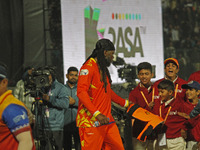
(173, 60)
(191, 84)
(3, 72)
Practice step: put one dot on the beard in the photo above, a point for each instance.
(107, 62)
(72, 82)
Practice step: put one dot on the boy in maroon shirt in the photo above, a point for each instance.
(168, 108)
(142, 95)
(193, 124)
(171, 73)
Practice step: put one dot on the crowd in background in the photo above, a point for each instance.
(181, 28)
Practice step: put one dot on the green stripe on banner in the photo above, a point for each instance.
(96, 14)
(87, 12)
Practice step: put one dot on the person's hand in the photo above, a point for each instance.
(102, 119)
(184, 133)
(129, 103)
(151, 104)
(45, 97)
(184, 115)
(71, 101)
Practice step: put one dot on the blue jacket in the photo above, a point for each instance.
(195, 111)
(71, 112)
(58, 102)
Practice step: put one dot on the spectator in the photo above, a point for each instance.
(20, 92)
(70, 129)
(143, 95)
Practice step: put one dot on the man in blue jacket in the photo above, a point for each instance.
(55, 100)
(70, 128)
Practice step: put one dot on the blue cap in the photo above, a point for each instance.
(191, 84)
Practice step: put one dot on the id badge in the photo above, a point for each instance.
(162, 141)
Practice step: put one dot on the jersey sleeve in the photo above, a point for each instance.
(16, 118)
(84, 81)
(117, 99)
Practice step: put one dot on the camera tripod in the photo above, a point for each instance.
(42, 137)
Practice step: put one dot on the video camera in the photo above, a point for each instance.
(38, 81)
(128, 72)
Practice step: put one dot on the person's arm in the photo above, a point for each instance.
(117, 99)
(84, 83)
(76, 103)
(59, 97)
(25, 141)
(16, 119)
(195, 111)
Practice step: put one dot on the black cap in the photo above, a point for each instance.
(191, 84)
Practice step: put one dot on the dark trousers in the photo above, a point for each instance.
(69, 131)
(53, 140)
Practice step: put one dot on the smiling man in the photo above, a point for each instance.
(97, 128)
(171, 73)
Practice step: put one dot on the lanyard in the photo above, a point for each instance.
(176, 90)
(166, 114)
(145, 99)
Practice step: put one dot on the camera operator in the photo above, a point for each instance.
(20, 92)
(55, 101)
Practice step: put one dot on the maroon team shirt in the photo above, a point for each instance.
(136, 97)
(195, 76)
(193, 126)
(174, 122)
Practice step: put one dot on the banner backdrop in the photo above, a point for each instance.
(134, 26)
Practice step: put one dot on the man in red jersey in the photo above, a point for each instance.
(97, 128)
(171, 73)
(15, 130)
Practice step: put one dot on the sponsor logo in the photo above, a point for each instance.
(20, 117)
(84, 72)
